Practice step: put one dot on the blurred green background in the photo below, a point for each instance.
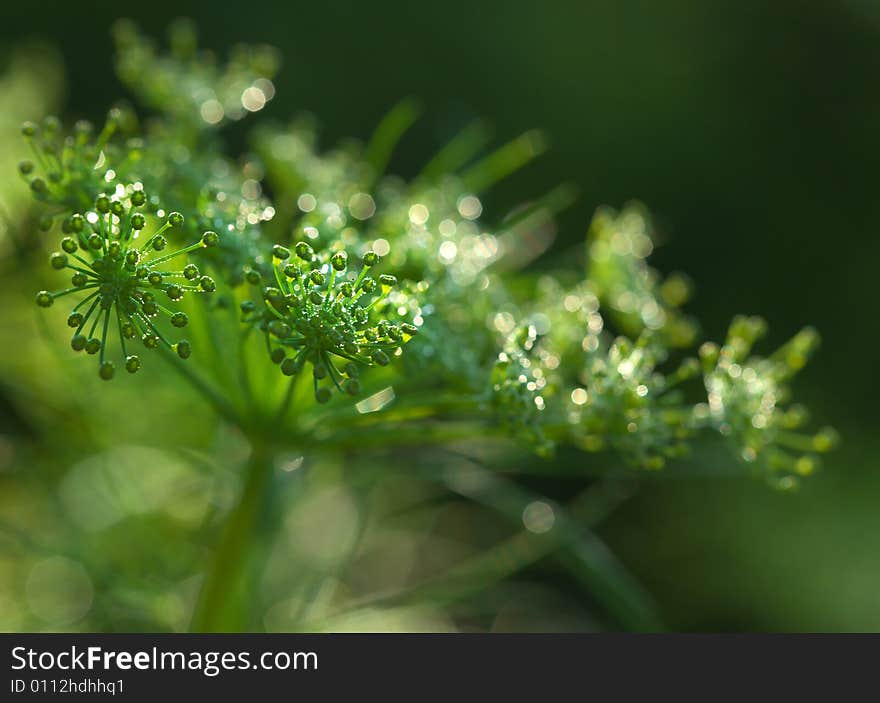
(752, 132)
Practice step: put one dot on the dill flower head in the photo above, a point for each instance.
(316, 311)
(68, 166)
(746, 402)
(120, 271)
(189, 83)
(519, 386)
(624, 402)
(634, 295)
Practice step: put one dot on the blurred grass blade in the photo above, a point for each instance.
(523, 549)
(529, 231)
(504, 161)
(606, 579)
(388, 133)
(460, 149)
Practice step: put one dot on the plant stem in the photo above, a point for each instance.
(225, 600)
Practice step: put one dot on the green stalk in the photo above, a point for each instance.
(226, 598)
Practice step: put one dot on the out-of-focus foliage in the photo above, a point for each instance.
(291, 514)
(31, 83)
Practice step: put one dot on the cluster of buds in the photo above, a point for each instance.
(315, 311)
(189, 83)
(519, 386)
(633, 294)
(319, 313)
(68, 166)
(119, 269)
(625, 403)
(746, 402)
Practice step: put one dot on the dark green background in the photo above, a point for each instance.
(751, 130)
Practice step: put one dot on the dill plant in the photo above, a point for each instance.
(342, 309)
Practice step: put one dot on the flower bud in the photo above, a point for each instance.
(339, 261)
(183, 348)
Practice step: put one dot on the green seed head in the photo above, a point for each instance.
(304, 251)
(183, 348)
(339, 261)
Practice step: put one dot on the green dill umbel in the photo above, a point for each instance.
(343, 310)
(118, 269)
(317, 312)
